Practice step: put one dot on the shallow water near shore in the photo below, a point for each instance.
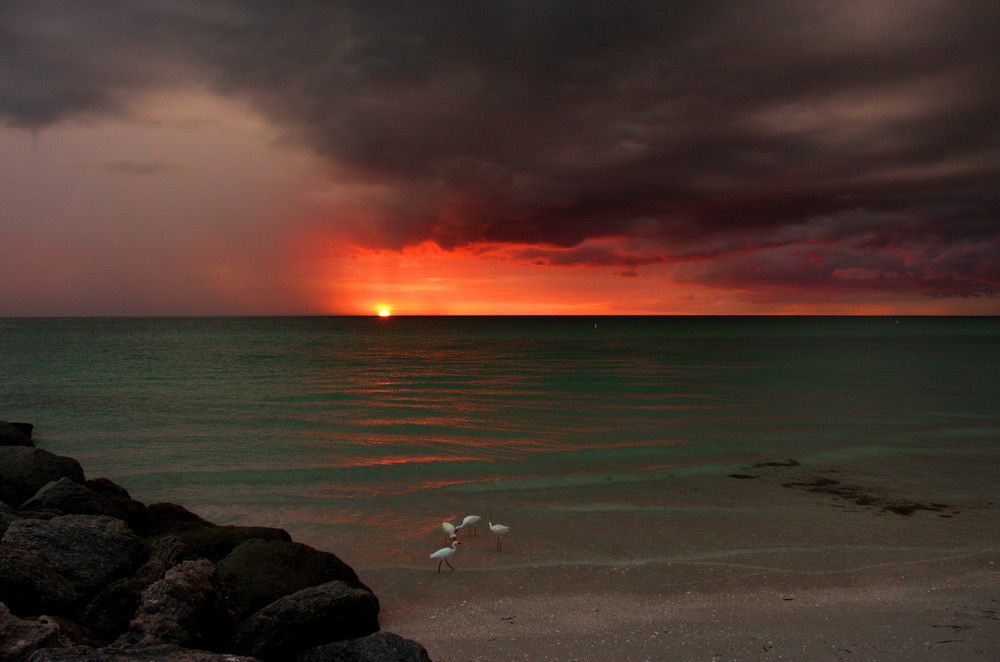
(604, 442)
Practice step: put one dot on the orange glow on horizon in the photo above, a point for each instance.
(427, 280)
(343, 279)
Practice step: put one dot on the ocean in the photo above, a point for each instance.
(361, 435)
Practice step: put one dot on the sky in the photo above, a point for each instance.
(536, 157)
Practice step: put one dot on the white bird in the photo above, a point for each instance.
(444, 553)
(449, 531)
(499, 530)
(469, 521)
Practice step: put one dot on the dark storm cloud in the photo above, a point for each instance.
(728, 132)
(590, 256)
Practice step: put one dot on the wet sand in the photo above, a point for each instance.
(936, 609)
(803, 575)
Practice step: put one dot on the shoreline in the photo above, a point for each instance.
(698, 576)
(936, 608)
(778, 561)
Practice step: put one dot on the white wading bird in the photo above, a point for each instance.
(444, 553)
(470, 521)
(499, 530)
(449, 531)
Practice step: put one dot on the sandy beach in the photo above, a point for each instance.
(938, 609)
(855, 582)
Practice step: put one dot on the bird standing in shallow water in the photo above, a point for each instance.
(444, 553)
(499, 530)
(470, 521)
(449, 531)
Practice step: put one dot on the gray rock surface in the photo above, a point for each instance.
(150, 654)
(215, 542)
(30, 587)
(109, 613)
(134, 511)
(185, 608)
(258, 572)
(24, 471)
(20, 638)
(308, 618)
(82, 565)
(112, 609)
(163, 518)
(377, 647)
(72, 498)
(89, 550)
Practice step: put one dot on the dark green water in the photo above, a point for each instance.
(328, 426)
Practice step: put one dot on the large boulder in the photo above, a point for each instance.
(133, 512)
(164, 554)
(151, 654)
(25, 470)
(184, 608)
(109, 613)
(377, 647)
(163, 518)
(89, 550)
(258, 572)
(308, 618)
(111, 610)
(211, 541)
(29, 586)
(15, 434)
(215, 542)
(20, 638)
(72, 498)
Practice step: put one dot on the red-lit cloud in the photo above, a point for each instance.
(750, 151)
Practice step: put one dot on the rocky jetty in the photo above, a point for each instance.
(88, 573)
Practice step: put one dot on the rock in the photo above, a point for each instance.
(20, 638)
(154, 596)
(377, 647)
(163, 518)
(111, 610)
(72, 633)
(29, 586)
(72, 498)
(133, 512)
(7, 515)
(24, 471)
(15, 434)
(308, 618)
(215, 542)
(185, 608)
(164, 554)
(258, 572)
(108, 615)
(151, 654)
(89, 550)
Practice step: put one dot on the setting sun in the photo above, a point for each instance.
(383, 313)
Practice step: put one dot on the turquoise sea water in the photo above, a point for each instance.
(350, 430)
